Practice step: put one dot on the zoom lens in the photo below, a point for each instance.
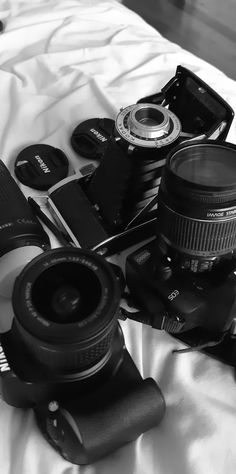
(197, 204)
(65, 303)
(21, 235)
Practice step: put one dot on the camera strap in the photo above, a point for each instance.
(159, 321)
(200, 347)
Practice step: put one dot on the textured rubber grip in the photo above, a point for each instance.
(84, 435)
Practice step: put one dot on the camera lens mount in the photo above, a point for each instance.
(147, 125)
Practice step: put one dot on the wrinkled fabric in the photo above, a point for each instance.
(62, 62)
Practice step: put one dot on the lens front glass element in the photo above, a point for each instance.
(66, 293)
(149, 116)
(204, 165)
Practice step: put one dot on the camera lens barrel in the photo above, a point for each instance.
(147, 125)
(65, 303)
(21, 235)
(18, 225)
(197, 203)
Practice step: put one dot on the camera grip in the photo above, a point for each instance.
(84, 433)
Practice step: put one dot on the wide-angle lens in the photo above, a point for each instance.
(65, 303)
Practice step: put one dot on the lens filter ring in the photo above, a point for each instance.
(203, 171)
(148, 125)
(65, 303)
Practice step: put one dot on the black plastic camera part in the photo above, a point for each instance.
(82, 223)
(178, 301)
(184, 281)
(88, 428)
(18, 225)
(90, 138)
(40, 166)
(198, 310)
(65, 356)
(201, 110)
(83, 420)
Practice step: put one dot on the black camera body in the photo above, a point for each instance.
(199, 309)
(66, 358)
(184, 281)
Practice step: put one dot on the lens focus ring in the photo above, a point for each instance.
(197, 236)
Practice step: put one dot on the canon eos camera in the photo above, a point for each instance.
(184, 280)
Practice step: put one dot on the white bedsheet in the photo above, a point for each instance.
(61, 62)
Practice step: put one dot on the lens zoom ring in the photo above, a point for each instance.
(87, 357)
(71, 359)
(198, 236)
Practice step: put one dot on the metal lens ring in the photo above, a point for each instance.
(148, 125)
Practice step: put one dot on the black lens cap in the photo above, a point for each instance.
(90, 138)
(41, 166)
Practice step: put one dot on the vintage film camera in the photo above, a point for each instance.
(184, 287)
(119, 197)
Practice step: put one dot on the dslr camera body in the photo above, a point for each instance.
(184, 280)
(66, 358)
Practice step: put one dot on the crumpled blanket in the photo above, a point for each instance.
(62, 62)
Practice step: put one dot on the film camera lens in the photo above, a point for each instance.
(197, 204)
(148, 125)
(65, 304)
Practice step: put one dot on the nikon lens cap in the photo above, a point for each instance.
(41, 166)
(90, 138)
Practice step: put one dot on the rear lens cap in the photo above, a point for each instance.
(41, 166)
(90, 138)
